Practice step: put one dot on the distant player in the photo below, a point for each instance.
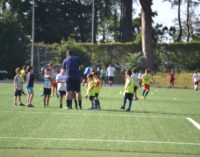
(97, 87)
(146, 80)
(103, 75)
(171, 79)
(135, 78)
(61, 81)
(128, 90)
(140, 78)
(47, 86)
(111, 74)
(29, 85)
(54, 83)
(196, 79)
(18, 87)
(91, 91)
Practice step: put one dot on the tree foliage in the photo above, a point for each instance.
(13, 49)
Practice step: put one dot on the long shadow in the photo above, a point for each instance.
(149, 112)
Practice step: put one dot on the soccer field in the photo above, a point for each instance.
(162, 125)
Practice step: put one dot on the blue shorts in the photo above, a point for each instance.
(30, 89)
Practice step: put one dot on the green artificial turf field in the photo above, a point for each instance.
(157, 126)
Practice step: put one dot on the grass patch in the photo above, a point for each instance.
(155, 127)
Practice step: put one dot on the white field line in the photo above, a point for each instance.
(96, 114)
(197, 125)
(101, 140)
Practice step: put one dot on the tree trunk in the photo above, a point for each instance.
(126, 32)
(179, 22)
(188, 20)
(147, 44)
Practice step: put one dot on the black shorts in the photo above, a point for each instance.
(47, 91)
(111, 78)
(196, 83)
(91, 98)
(18, 93)
(62, 93)
(73, 85)
(128, 96)
(135, 88)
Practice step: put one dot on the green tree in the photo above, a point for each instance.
(126, 20)
(13, 43)
(147, 43)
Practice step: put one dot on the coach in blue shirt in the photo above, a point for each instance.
(71, 64)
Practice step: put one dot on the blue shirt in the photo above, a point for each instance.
(71, 65)
(86, 71)
(47, 82)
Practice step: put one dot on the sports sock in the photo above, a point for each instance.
(124, 103)
(95, 103)
(76, 104)
(146, 93)
(80, 104)
(69, 104)
(92, 103)
(143, 93)
(98, 104)
(130, 104)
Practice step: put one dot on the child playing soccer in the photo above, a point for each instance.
(196, 79)
(128, 90)
(103, 75)
(146, 78)
(47, 86)
(135, 78)
(171, 79)
(140, 78)
(90, 90)
(61, 81)
(97, 87)
(18, 87)
(29, 85)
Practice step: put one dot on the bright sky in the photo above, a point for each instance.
(166, 14)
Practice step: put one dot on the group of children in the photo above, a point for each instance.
(21, 78)
(94, 84)
(57, 82)
(53, 83)
(132, 82)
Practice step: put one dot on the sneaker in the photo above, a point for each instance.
(91, 108)
(122, 107)
(136, 98)
(67, 108)
(128, 110)
(15, 104)
(30, 105)
(21, 104)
